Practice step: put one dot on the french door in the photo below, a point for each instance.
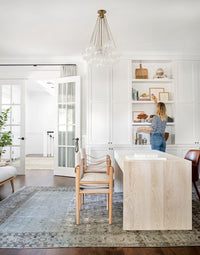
(67, 135)
(12, 96)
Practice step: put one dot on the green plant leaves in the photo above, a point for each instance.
(5, 137)
(4, 117)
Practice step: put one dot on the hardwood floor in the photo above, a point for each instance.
(103, 251)
(46, 178)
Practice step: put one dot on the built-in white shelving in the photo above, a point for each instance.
(140, 87)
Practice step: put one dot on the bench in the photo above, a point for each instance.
(7, 173)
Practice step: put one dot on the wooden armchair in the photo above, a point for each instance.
(95, 177)
(194, 156)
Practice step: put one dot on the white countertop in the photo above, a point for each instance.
(122, 156)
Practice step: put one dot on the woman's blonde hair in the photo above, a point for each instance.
(161, 111)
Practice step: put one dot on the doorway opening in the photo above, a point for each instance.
(41, 105)
(40, 125)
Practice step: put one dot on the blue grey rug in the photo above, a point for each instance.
(44, 217)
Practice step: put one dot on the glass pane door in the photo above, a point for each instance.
(12, 98)
(68, 124)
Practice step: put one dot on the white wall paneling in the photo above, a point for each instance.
(121, 107)
(185, 133)
(187, 102)
(120, 124)
(109, 108)
(99, 105)
(99, 133)
(196, 76)
(185, 82)
(197, 123)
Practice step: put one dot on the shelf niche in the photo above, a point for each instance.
(142, 86)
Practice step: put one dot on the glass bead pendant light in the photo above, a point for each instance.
(102, 49)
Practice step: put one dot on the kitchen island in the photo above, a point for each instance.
(157, 190)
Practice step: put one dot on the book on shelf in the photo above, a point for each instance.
(144, 99)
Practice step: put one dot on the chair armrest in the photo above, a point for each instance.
(79, 172)
(77, 169)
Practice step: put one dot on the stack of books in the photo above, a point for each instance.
(144, 99)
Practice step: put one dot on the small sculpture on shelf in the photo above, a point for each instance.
(160, 74)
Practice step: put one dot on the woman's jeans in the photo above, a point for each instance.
(158, 142)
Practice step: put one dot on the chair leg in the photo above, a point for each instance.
(107, 201)
(77, 208)
(80, 202)
(12, 185)
(110, 207)
(196, 190)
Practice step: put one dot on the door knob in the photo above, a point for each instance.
(21, 138)
(76, 144)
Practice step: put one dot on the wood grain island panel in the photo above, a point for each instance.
(157, 190)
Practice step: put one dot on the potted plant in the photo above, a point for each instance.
(5, 136)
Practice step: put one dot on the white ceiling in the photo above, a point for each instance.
(58, 28)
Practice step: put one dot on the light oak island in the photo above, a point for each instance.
(157, 190)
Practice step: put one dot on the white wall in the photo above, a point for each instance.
(40, 116)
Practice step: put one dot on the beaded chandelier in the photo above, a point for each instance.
(102, 49)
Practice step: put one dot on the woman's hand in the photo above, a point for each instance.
(154, 98)
(144, 128)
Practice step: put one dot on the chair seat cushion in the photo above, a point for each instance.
(94, 177)
(7, 172)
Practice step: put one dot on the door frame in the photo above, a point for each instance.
(64, 171)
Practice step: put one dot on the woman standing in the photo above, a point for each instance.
(158, 127)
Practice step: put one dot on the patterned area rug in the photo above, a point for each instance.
(44, 217)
